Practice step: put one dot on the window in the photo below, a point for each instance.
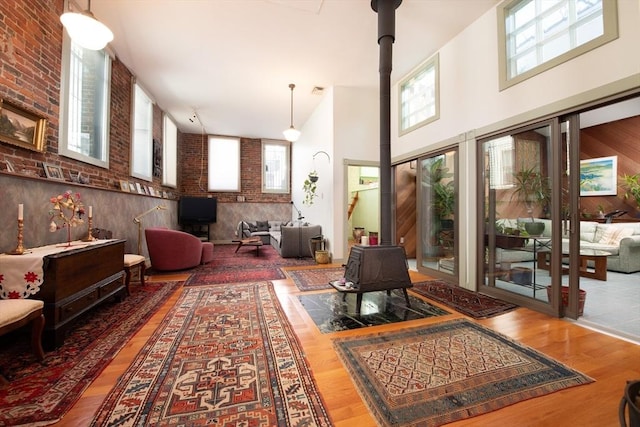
(275, 166)
(224, 164)
(142, 143)
(169, 153)
(536, 35)
(84, 130)
(419, 97)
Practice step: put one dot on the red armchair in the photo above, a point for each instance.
(171, 250)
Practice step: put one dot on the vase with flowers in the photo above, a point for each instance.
(66, 212)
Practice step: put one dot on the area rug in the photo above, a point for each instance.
(41, 394)
(315, 278)
(466, 302)
(224, 355)
(437, 374)
(229, 266)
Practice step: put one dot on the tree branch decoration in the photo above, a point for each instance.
(67, 209)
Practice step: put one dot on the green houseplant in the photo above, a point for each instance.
(631, 186)
(532, 189)
(309, 187)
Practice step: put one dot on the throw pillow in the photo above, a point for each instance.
(262, 225)
(252, 227)
(613, 235)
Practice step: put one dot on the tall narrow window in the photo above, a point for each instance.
(419, 97)
(536, 35)
(224, 164)
(142, 144)
(169, 153)
(275, 166)
(84, 130)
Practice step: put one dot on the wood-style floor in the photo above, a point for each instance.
(610, 361)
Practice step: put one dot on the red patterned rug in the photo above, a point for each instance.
(229, 266)
(438, 374)
(41, 394)
(314, 279)
(466, 302)
(224, 355)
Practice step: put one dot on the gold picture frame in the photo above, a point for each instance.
(21, 127)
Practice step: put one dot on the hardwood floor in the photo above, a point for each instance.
(610, 361)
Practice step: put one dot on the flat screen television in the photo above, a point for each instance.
(197, 210)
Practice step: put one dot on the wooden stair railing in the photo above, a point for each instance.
(352, 205)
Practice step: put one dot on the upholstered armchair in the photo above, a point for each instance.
(171, 250)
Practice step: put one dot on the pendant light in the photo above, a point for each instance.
(291, 134)
(85, 30)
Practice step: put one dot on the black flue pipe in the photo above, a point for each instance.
(386, 10)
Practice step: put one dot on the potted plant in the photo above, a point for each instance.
(532, 189)
(631, 186)
(310, 186)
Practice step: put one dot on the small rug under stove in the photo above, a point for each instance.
(436, 374)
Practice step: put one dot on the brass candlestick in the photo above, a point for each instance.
(89, 237)
(19, 250)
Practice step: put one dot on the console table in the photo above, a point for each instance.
(74, 280)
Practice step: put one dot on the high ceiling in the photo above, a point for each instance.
(231, 61)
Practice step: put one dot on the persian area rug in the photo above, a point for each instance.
(224, 355)
(314, 279)
(41, 394)
(437, 374)
(229, 266)
(466, 302)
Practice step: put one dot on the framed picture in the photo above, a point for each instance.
(139, 188)
(10, 167)
(75, 177)
(53, 171)
(132, 187)
(124, 185)
(599, 176)
(21, 128)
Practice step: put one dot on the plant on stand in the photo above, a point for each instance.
(532, 189)
(68, 210)
(309, 188)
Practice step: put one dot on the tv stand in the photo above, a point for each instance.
(201, 231)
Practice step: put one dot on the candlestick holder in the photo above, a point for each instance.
(19, 250)
(89, 237)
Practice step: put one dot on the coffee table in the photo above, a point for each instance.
(251, 241)
(598, 257)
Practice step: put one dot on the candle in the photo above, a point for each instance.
(20, 211)
(90, 211)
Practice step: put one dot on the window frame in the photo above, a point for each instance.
(432, 62)
(224, 164)
(169, 152)
(610, 33)
(287, 171)
(64, 138)
(141, 149)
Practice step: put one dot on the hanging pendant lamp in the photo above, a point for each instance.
(292, 134)
(85, 30)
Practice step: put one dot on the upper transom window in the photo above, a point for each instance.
(419, 97)
(536, 35)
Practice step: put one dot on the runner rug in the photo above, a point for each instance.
(466, 302)
(41, 393)
(224, 355)
(315, 278)
(437, 374)
(229, 266)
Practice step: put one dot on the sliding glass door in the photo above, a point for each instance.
(437, 198)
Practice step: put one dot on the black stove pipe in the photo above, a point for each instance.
(386, 37)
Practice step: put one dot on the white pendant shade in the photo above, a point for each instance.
(292, 134)
(86, 31)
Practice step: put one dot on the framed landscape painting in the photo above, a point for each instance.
(21, 127)
(599, 176)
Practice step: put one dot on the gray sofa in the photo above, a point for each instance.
(290, 239)
(621, 240)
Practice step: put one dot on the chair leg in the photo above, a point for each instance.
(143, 268)
(37, 326)
(127, 279)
